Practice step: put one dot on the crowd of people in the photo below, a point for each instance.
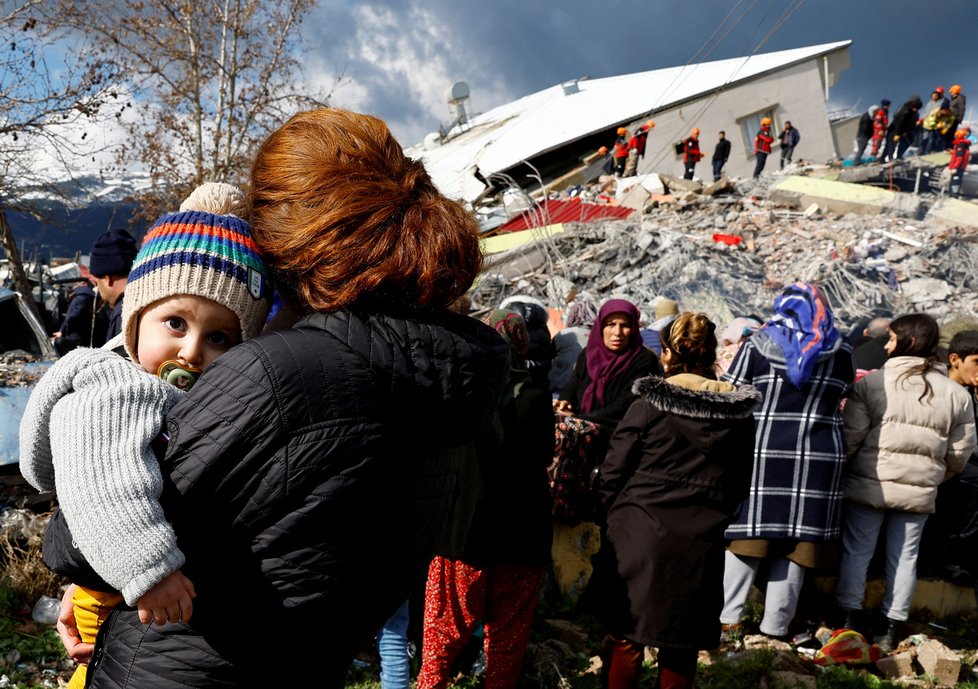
(299, 421)
(622, 160)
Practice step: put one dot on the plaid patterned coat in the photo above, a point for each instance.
(799, 452)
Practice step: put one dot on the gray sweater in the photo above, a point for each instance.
(86, 433)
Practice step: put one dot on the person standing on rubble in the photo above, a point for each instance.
(691, 153)
(636, 148)
(957, 105)
(608, 161)
(864, 133)
(925, 130)
(880, 123)
(677, 467)
(621, 151)
(762, 146)
(790, 522)
(960, 157)
(908, 428)
(789, 139)
(898, 134)
(720, 155)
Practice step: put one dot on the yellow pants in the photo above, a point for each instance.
(91, 609)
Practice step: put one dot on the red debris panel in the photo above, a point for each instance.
(568, 210)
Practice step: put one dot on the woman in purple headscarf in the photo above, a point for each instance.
(600, 389)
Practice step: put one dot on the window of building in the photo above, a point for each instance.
(751, 124)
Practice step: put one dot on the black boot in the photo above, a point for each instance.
(887, 641)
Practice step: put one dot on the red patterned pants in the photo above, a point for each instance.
(457, 597)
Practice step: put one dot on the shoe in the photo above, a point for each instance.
(850, 621)
(731, 633)
(887, 641)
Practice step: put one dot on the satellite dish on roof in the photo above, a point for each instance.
(457, 92)
(457, 95)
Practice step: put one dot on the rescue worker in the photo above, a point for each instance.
(621, 151)
(762, 146)
(643, 137)
(923, 134)
(899, 133)
(960, 157)
(691, 152)
(636, 148)
(957, 107)
(720, 155)
(864, 133)
(608, 164)
(881, 120)
(939, 128)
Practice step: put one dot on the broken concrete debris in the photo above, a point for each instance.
(727, 255)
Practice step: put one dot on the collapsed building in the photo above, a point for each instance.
(879, 238)
(546, 137)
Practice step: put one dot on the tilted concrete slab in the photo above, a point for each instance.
(954, 212)
(514, 240)
(842, 197)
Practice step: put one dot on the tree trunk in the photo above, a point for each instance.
(21, 282)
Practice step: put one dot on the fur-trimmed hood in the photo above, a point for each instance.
(698, 397)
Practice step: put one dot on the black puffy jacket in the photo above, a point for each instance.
(308, 475)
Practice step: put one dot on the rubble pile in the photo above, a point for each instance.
(14, 373)
(729, 254)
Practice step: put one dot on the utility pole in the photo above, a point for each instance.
(21, 282)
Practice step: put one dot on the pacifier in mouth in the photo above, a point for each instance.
(181, 376)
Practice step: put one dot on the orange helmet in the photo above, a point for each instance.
(956, 89)
(765, 121)
(696, 131)
(650, 124)
(962, 133)
(622, 131)
(602, 150)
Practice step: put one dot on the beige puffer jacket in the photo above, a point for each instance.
(901, 448)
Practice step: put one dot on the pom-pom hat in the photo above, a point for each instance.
(203, 253)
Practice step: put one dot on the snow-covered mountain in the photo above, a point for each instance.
(66, 216)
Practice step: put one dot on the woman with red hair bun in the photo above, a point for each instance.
(310, 472)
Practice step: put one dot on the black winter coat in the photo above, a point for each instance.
(618, 393)
(906, 118)
(512, 522)
(308, 474)
(678, 466)
(865, 130)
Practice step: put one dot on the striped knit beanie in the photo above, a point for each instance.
(205, 250)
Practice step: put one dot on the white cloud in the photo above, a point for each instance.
(398, 63)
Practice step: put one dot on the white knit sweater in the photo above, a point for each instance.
(86, 433)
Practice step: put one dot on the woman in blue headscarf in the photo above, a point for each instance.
(790, 521)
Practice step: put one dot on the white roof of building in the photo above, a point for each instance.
(504, 136)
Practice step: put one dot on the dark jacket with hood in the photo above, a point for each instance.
(512, 522)
(906, 117)
(308, 474)
(678, 466)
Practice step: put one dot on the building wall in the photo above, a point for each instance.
(844, 132)
(794, 94)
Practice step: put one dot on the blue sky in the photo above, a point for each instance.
(397, 58)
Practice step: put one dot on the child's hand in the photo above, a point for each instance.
(171, 600)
